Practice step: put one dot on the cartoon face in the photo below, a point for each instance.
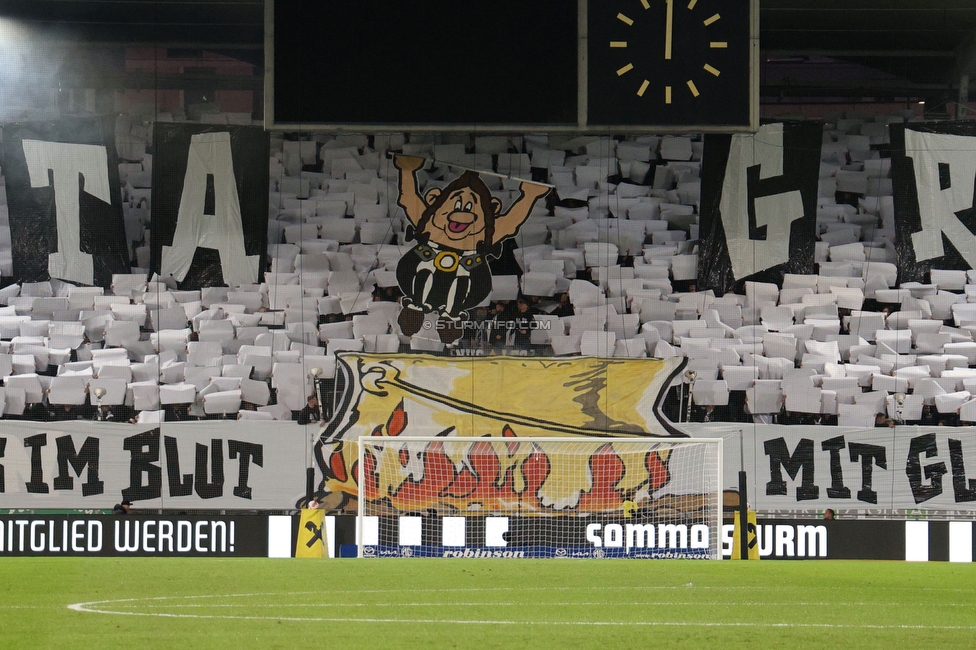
(457, 217)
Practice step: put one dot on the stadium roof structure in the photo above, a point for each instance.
(813, 51)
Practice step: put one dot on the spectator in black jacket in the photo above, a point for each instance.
(310, 413)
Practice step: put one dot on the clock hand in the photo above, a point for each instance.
(668, 29)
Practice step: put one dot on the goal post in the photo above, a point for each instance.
(594, 497)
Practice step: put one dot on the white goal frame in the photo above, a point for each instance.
(714, 500)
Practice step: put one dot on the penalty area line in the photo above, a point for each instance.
(643, 603)
(84, 607)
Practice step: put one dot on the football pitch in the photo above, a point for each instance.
(417, 603)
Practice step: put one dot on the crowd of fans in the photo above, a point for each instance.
(606, 266)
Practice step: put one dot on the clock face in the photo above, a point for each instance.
(669, 63)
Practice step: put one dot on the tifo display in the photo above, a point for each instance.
(421, 324)
(509, 286)
(540, 497)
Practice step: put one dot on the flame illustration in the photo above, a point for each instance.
(497, 473)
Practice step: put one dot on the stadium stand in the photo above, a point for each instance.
(606, 266)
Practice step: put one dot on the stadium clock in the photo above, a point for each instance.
(672, 63)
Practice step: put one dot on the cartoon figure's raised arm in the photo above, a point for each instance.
(410, 200)
(508, 224)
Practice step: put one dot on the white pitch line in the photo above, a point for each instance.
(93, 608)
(536, 603)
(612, 587)
(571, 588)
(80, 607)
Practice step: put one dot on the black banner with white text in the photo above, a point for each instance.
(759, 205)
(933, 171)
(210, 204)
(134, 535)
(64, 201)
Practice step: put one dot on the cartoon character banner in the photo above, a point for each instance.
(65, 201)
(456, 229)
(419, 395)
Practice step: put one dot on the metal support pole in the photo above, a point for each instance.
(962, 107)
(315, 373)
(318, 396)
(681, 400)
(743, 502)
(690, 375)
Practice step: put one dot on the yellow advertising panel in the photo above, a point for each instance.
(311, 540)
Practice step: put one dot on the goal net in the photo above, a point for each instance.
(540, 497)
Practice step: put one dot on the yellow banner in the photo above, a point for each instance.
(750, 537)
(424, 395)
(496, 397)
(311, 535)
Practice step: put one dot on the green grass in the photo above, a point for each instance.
(211, 603)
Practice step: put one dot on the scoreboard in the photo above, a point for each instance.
(601, 66)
